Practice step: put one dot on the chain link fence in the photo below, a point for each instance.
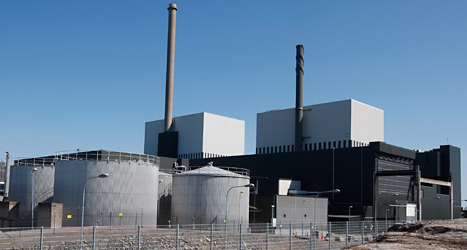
(334, 235)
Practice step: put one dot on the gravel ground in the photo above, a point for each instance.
(422, 235)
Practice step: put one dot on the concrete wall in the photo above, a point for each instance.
(223, 136)
(9, 212)
(151, 136)
(336, 123)
(50, 215)
(367, 123)
(200, 135)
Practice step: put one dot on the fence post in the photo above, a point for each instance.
(376, 228)
(212, 236)
(139, 237)
(290, 236)
(311, 238)
(267, 236)
(225, 236)
(42, 237)
(94, 238)
(346, 233)
(240, 236)
(177, 239)
(363, 230)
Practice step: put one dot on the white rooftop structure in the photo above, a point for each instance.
(340, 124)
(201, 135)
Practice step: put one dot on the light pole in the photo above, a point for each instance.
(376, 210)
(333, 148)
(433, 198)
(303, 214)
(32, 198)
(350, 207)
(272, 213)
(314, 209)
(239, 206)
(82, 207)
(226, 210)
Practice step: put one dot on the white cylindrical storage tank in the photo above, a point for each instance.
(128, 197)
(165, 198)
(21, 183)
(200, 196)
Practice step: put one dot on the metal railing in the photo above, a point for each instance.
(334, 235)
(240, 171)
(96, 155)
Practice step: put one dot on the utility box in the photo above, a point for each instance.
(406, 211)
(49, 214)
(9, 212)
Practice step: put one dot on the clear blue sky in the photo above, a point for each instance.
(89, 74)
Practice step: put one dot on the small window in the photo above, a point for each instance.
(285, 215)
(304, 215)
(275, 149)
(339, 144)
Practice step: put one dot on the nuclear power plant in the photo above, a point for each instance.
(313, 163)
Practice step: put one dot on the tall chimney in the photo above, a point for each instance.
(7, 177)
(299, 99)
(169, 84)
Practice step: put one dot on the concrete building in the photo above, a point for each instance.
(340, 124)
(201, 135)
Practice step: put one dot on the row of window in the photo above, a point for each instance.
(311, 146)
(201, 155)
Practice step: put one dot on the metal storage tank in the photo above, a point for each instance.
(199, 196)
(164, 199)
(128, 197)
(21, 183)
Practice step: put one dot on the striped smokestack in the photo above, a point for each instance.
(299, 99)
(169, 84)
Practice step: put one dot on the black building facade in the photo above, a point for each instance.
(352, 170)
